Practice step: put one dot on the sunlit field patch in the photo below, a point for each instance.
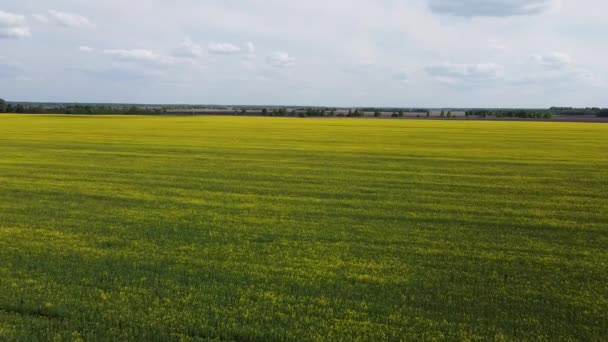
(197, 228)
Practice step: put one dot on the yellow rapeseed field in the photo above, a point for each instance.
(116, 228)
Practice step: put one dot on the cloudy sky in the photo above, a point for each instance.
(432, 53)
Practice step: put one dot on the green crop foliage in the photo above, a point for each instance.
(209, 228)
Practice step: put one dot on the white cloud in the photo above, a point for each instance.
(40, 18)
(11, 20)
(64, 19)
(250, 51)
(554, 60)
(249, 59)
(86, 48)
(557, 69)
(401, 76)
(188, 49)
(15, 32)
(249, 47)
(280, 59)
(574, 77)
(490, 8)
(119, 73)
(224, 48)
(13, 26)
(465, 73)
(497, 45)
(138, 56)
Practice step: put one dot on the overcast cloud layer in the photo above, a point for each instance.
(431, 53)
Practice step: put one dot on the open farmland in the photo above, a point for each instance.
(195, 228)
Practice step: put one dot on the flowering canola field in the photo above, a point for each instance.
(233, 228)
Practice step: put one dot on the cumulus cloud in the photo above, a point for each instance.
(13, 26)
(556, 69)
(188, 49)
(554, 60)
(86, 48)
(280, 59)
(15, 32)
(41, 18)
(465, 73)
(561, 78)
(119, 73)
(138, 56)
(64, 19)
(497, 45)
(224, 48)
(11, 20)
(490, 8)
(250, 51)
(401, 76)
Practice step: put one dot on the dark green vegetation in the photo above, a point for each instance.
(538, 113)
(87, 109)
(511, 113)
(194, 228)
(601, 112)
(294, 111)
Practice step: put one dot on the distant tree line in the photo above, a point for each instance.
(355, 113)
(307, 112)
(590, 111)
(538, 113)
(117, 109)
(510, 113)
(22, 108)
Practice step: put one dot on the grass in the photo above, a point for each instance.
(208, 228)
